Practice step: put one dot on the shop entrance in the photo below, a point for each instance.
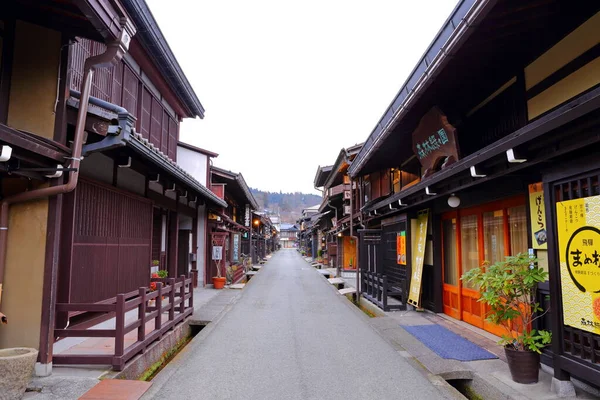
(470, 237)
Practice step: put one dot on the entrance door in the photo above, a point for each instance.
(470, 237)
(183, 250)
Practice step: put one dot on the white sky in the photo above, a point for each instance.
(287, 84)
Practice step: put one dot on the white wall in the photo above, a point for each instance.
(193, 162)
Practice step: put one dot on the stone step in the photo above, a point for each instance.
(347, 290)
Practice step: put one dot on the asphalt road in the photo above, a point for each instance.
(290, 336)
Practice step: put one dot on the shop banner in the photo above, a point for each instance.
(578, 225)
(401, 247)
(414, 297)
(537, 215)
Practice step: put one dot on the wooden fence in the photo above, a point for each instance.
(177, 292)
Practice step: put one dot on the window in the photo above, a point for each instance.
(469, 239)
(517, 221)
(493, 236)
(450, 250)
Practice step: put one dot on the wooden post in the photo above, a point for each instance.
(120, 326)
(158, 302)
(191, 303)
(172, 299)
(142, 316)
(182, 294)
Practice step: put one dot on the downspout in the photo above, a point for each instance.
(114, 52)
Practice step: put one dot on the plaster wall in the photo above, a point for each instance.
(193, 162)
(572, 46)
(24, 274)
(33, 87)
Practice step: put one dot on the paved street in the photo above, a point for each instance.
(290, 336)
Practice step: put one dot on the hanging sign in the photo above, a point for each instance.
(401, 248)
(217, 253)
(236, 247)
(537, 215)
(434, 142)
(414, 296)
(247, 216)
(578, 225)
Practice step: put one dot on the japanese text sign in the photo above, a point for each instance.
(414, 296)
(537, 215)
(434, 142)
(578, 225)
(401, 247)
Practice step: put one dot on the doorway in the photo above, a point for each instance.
(469, 238)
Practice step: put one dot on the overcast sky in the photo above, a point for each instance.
(287, 84)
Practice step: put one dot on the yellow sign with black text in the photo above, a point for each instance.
(414, 296)
(578, 225)
(537, 214)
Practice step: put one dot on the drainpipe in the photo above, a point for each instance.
(113, 54)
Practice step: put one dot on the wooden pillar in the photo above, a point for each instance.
(195, 251)
(172, 235)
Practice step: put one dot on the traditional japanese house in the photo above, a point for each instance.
(342, 199)
(229, 227)
(491, 150)
(289, 236)
(306, 223)
(92, 193)
(197, 162)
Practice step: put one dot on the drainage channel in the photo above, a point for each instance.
(464, 387)
(170, 354)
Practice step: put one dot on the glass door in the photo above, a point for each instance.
(451, 286)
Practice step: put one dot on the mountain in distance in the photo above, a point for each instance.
(288, 205)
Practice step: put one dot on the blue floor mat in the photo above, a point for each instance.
(447, 344)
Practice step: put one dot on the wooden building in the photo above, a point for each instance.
(92, 192)
(230, 227)
(488, 150)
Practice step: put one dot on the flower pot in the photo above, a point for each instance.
(16, 368)
(218, 283)
(524, 366)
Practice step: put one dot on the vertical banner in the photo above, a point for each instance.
(401, 248)
(578, 225)
(414, 296)
(247, 216)
(537, 215)
(236, 247)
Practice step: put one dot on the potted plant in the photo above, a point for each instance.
(509, 288)
(218, 281)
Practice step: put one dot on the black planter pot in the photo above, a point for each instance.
(524, 366)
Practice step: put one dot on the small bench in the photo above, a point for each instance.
(349, 290)
(337, 282)
(324, 272)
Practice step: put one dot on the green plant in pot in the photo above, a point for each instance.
(509, 288)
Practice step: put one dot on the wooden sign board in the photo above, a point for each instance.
(434, 142)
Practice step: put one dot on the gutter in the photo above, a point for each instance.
(113, 54)
(436, 57)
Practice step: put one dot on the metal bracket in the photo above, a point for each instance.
(6, 153)
(515, 157)
(477, 174)
(428, 193)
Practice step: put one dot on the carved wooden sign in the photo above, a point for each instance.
(434, 142)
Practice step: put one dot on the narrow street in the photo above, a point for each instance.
(290, 336)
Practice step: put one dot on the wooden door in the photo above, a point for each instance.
(470, 237)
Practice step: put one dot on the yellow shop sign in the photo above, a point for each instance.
(578, 224)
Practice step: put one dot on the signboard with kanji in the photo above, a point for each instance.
(578, 225)
(434, 142)
(537, 215)
(418, 257)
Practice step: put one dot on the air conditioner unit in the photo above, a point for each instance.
(347, 195)
(346, 210)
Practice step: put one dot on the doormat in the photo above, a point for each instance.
(447, 344)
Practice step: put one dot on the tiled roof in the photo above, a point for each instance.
(176, 170)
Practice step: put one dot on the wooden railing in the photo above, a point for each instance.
(169, 299)
(376, 288)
